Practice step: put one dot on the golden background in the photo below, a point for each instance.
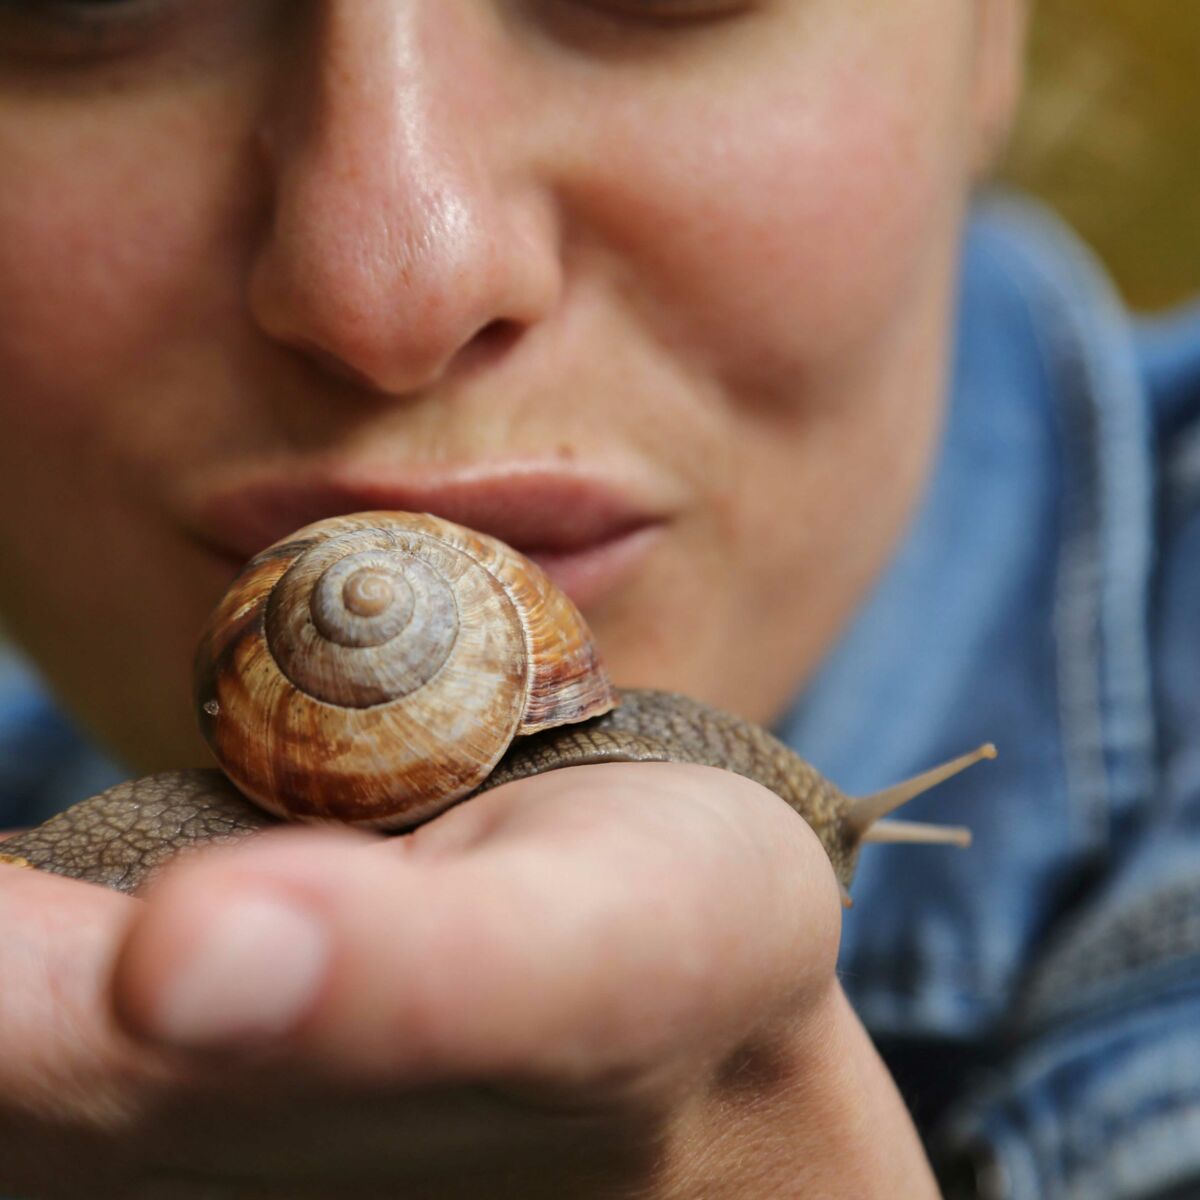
(1109, 135)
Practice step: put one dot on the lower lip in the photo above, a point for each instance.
(591, 573)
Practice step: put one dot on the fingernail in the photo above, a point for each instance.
(250, 979)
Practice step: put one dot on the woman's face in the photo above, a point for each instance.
(655, 289)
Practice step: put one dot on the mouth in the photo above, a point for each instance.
(587, 534)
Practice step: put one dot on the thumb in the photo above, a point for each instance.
(566, 927)
(71, 1080)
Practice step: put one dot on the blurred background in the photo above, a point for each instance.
(1109, 135)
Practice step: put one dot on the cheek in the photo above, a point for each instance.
(796, 247)
(105, 224)
(109, 233)
(109, 224)
(800, 205)
(76, 258)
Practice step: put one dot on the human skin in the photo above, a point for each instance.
(700, 253)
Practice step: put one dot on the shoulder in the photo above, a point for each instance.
(1027, 270)
(1025, 607)
(1045, 599)
(1124, 393)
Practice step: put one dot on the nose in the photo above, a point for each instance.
(404, 230)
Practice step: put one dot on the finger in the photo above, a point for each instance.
(580, 924)
(69, 1076)
(57, 940)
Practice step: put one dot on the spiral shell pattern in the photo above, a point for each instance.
(373, 669)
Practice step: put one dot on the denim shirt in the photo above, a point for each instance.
(1037, 996)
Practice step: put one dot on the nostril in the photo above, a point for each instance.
(492, 341)
(498, 334)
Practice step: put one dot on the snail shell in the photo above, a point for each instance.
(373, 669)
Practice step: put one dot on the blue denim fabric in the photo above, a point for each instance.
(45, 762)
(1038, 996)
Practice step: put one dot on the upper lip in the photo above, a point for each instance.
(533, 507)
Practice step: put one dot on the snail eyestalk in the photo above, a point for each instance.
(919, 834)
(867, 810)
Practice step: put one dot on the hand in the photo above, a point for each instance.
(608, 981)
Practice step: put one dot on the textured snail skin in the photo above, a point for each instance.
(122, 836)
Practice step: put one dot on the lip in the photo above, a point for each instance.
(588, 534)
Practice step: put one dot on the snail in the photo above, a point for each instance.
(378, 668)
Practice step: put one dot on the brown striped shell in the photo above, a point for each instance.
(373, 669)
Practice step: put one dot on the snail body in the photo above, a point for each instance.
(378, 668)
